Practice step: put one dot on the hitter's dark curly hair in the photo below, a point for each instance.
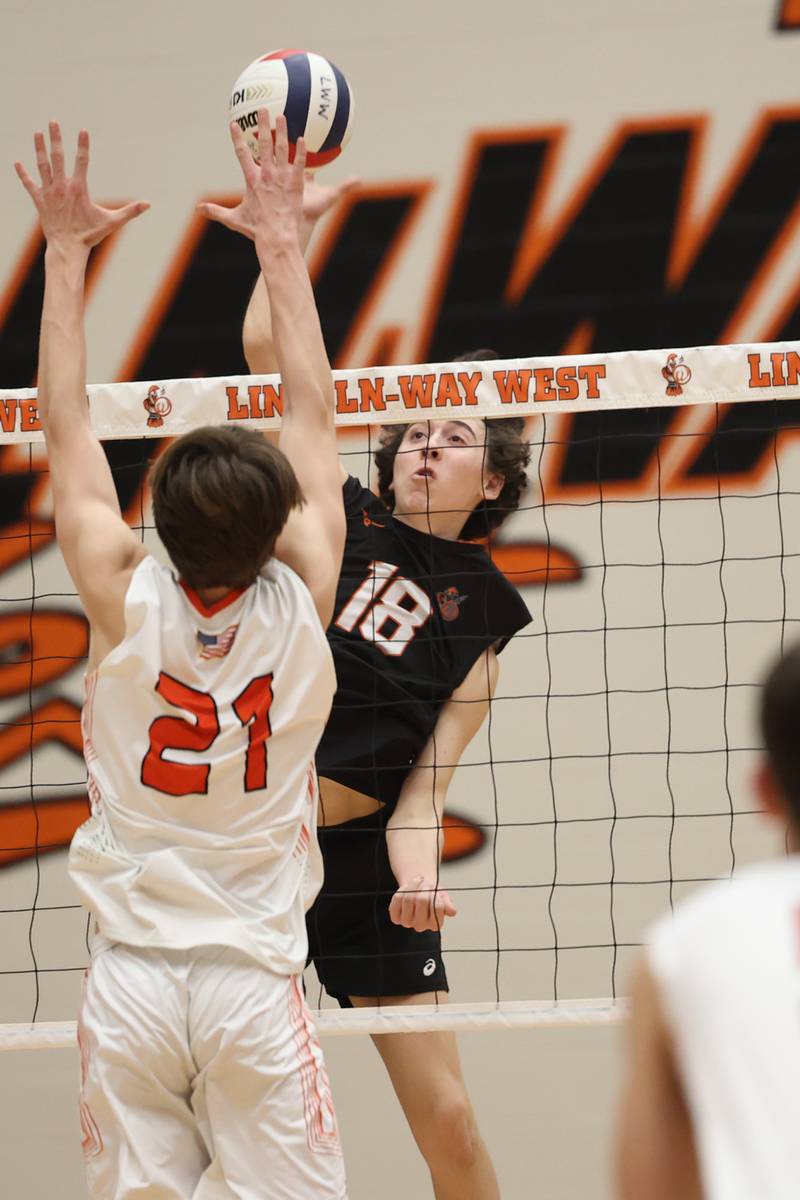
(507, 454)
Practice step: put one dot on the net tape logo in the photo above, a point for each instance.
(677, 374)
(157, 405)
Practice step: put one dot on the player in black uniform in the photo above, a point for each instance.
(419, 619)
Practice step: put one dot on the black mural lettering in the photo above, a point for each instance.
(609, 267)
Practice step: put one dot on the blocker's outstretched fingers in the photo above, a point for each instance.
(281, 141)
(81, 168)
(246, 160)
(42, 161)
(27, 182)
(56, 150)
(265, 143)
(300, 155)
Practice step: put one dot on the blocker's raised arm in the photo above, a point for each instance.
(271, 214)
(98, 547)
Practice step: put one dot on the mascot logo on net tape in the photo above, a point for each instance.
(677, 374)
(157, 405)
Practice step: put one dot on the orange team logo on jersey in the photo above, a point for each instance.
(676, 373)
(157, 405)
(449, 602)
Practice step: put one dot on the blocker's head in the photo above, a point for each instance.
(221, 496)
(463, 464)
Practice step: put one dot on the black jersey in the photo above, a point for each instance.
(413, 613)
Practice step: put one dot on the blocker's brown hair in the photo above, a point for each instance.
(506, 453)
(221, 495)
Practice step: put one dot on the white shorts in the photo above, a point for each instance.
(202, 1076)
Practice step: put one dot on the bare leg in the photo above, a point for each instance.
(426, 1075)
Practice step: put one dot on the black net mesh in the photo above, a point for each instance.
(658, 555)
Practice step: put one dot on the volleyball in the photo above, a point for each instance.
(310, 91)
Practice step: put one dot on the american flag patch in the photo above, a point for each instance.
(216, 645)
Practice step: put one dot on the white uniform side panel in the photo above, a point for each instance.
(728, 970)
(200, 730)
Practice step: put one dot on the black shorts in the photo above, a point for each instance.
(356, 949)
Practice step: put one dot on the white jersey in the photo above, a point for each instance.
(728, 970)
(200, 729)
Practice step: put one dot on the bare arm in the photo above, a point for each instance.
(414, 834)
(257, 339)
(656, 1154)
(98, 547)
(270, 214)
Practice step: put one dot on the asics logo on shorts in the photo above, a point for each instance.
(430, 967)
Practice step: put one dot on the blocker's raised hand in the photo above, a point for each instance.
(66, 210)
(271, 209)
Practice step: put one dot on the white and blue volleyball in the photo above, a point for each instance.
(310, 91)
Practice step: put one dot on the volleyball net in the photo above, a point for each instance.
(658, 549)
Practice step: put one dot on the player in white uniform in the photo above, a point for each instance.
(207, 692)
(710, 1106)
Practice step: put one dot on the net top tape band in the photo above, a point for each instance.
(387, 395)
(414, 1018)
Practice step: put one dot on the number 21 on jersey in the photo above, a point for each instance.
(251, 706)
(387, 611)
